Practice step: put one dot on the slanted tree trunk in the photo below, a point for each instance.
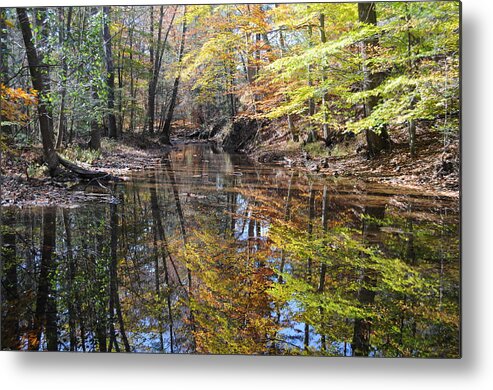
(41, 84)
(165, 133)
(40, 81)
(110, 73)
(156, 59)
(377, 140)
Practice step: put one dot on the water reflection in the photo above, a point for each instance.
(209, 253)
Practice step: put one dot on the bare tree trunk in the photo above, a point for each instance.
(110, 73)
(156, 58)
(165, 132)
(41, 84)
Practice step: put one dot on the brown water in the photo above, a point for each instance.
(210, 253)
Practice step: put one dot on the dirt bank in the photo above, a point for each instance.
(434, 170)
(24, 181)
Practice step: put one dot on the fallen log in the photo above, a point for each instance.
(86, 174)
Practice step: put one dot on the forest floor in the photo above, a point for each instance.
(435, 170)
(25, 182)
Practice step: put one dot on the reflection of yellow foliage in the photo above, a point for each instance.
(14, 101)
(230, 303)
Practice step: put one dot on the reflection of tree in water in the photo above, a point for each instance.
(274, 263)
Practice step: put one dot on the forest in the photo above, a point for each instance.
(231, 178)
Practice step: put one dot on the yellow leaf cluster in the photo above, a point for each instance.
(13, 103)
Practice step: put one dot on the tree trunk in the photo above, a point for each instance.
(110, 73)
(151, 88)
(62, 120)
(165, 133)
(4, 63)
(411, 126)
(289, 117)
(312, 136)
(325, 98)
(156, 58)
(132, 94)
(377, 140)
(411, 122)
(41, 84)
(95, 141)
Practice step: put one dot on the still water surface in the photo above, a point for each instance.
(208, 252)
